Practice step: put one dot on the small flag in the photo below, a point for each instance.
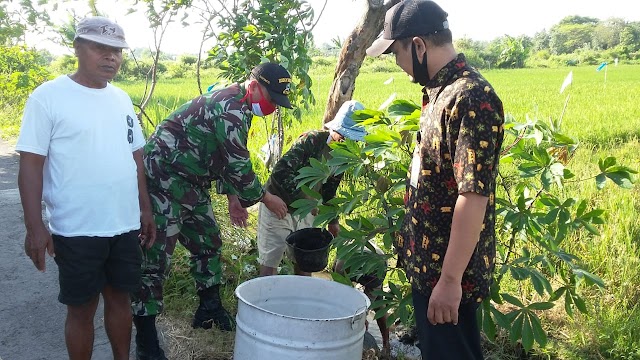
(567, 81)
(616, 61)
(389, 81)
(602, 66)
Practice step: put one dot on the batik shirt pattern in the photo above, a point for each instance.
(457, 151)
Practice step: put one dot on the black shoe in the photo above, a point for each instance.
(210, 312)
(147, 345)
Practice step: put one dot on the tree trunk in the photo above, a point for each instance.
(352, 55)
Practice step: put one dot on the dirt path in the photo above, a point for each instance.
(31, 318)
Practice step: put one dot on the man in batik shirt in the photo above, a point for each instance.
(447, 240)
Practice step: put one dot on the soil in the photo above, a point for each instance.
(31, 318)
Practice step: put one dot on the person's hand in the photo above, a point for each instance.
(147, 229)
(237, 214)
(444, 302)
(334, 229)
(36, 242)
(275, 205)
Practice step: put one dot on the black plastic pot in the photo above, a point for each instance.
(310, 248)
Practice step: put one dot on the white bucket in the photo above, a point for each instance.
(289, 317)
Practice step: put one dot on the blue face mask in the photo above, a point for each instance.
(257, 110)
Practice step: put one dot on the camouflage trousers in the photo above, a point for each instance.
(182, 214)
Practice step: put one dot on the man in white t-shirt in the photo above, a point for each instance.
(80, 151)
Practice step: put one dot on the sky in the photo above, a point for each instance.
(475, 19)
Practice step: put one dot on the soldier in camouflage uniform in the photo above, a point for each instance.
(204, 140)
(273, 231)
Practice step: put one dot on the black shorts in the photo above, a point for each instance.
(87, 263)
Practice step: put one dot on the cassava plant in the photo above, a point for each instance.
(535, 212)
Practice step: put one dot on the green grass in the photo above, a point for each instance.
(604, 117)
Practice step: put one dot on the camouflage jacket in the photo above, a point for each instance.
(205, 140)
(312, 144)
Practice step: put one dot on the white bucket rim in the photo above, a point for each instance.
(358, 312)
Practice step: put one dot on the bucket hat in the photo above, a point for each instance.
(344, 124)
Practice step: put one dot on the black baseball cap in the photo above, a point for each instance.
(277, 80)
(407, 19)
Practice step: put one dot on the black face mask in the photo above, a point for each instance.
(420, 73)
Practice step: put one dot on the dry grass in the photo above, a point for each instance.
(184, 343)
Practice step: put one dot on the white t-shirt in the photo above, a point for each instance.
(90, 184)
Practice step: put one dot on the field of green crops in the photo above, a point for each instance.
(602, 111)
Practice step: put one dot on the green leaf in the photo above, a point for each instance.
(541, 306)
(541, 156)
(516, 328)
(621, 178)
(402, 108)
(568, 302)
(502, 320)
(549, 200)
(488, 325)
(539, 334)
(324, 217)
(593, 214)
(311, 193)
(564, 139)
(590, 278)
(341, 279)
(527, 333)
(590, 228)
(537, 284)
(582, 206)
(558, 293)
(601, 181)
(512, 300)
(550, 217)
(546, 178)
(606, 163)
(580, 304)
(567, 174)
(518, 274)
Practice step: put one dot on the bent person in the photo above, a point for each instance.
(272, 229)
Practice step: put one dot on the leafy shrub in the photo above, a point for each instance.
(21, 71)
(65, 64)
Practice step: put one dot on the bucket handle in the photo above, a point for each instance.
(353, 318)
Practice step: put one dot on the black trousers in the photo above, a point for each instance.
(447, 341)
